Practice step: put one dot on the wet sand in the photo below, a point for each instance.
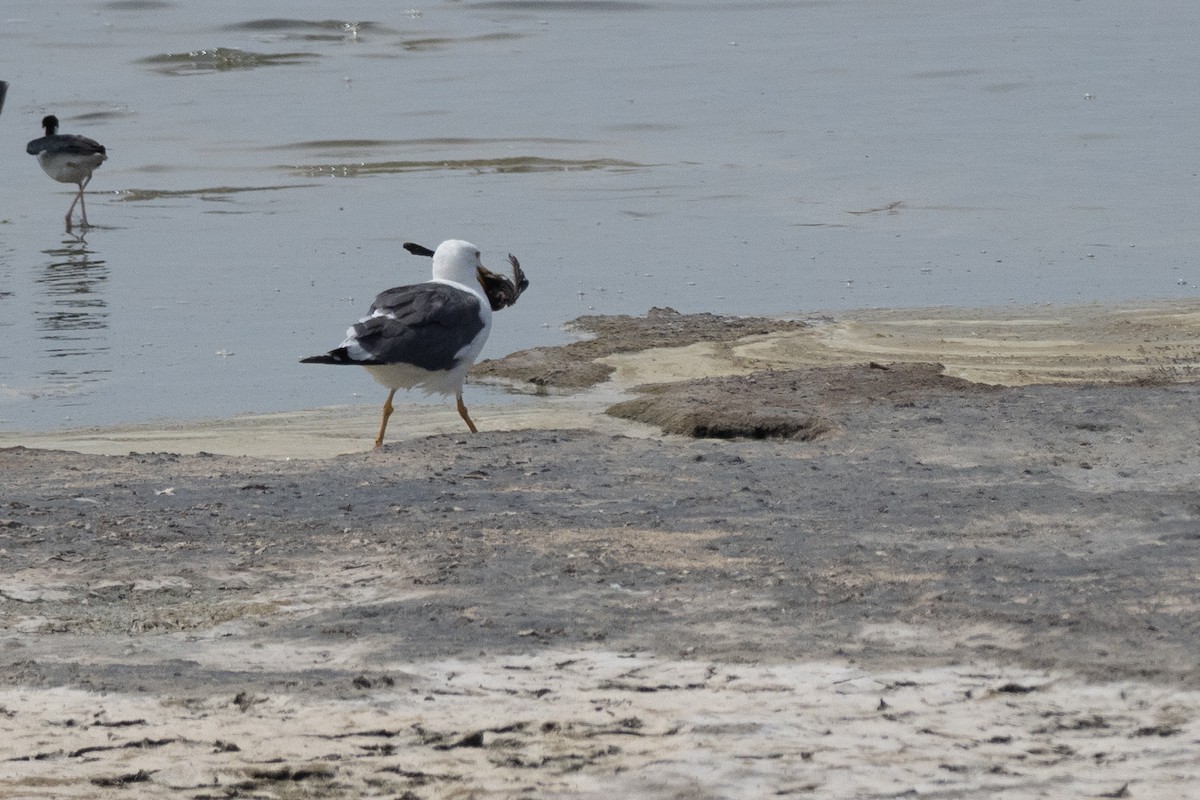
(920, 553)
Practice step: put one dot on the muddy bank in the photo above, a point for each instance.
(949, 588)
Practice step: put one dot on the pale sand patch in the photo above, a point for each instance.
(1006, 346)
(327, 432)
(600, 724)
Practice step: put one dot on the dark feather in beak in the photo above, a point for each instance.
(501, 292)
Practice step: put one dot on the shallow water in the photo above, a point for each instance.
(265, 164)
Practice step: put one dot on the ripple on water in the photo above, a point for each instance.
(102, 116)
(557, 5)
(335, 145)
(71, 314)
(515, 164)
(444, 42)
(310, 30)
(221, 59)
(137, 5)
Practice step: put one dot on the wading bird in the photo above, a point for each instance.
(68, 159)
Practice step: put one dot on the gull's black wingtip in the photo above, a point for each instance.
(337, 356)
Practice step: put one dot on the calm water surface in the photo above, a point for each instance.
(267, 160)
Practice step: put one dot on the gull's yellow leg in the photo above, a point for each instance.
(387, 412)
(462, 412)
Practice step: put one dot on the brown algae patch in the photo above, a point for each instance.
(207, 193)
(221, 59)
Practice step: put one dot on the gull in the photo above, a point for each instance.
(427, 336)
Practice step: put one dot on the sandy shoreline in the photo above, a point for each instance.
(322, 432)
(1156, 341)
(930, 587)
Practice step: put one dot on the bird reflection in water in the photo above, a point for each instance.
(71, 314)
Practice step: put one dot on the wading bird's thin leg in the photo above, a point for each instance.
(71, 210)
(82, 204)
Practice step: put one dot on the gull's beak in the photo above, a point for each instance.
(484, 275)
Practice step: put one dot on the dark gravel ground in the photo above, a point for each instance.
(928, 522)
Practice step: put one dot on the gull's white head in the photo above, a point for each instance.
(458, 261)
